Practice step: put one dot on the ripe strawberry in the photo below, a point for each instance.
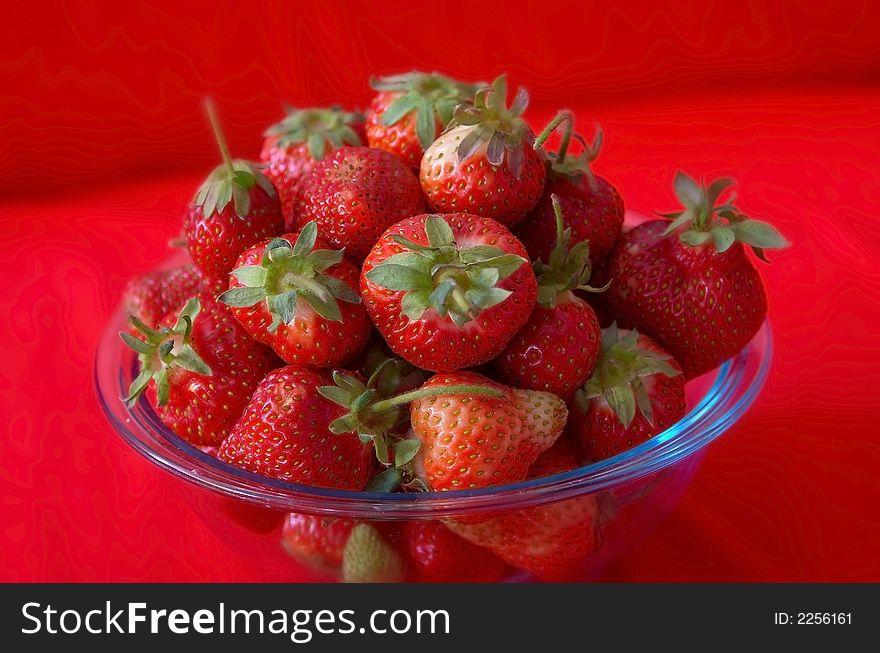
(284, 433)
(689, 283)
(355, 194)
(437, 555)
(294, 145)
(410, 110)
(636, 392)
(472, 441)
(152, 296)
(316, 541)
(203, 366)
(552, 541)
(557, 348)
(298, 299)
(485, 163)
(592, 208)
(235, 207)
(383, 419)
(448, 292)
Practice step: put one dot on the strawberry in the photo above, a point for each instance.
(437, 555)
(369, 557)
(354, 194)
(448, 292)
(552, 541)
(203, 367)
(592, 207)
(410, 110)
(235, 207)
(382, 418)
(635, 392)
(557, 348)
(316, 541)
(152, 296)
(689, 283)
(485, 163)
(284, 433)
(295, 295)
(293, 146)
(473, 441)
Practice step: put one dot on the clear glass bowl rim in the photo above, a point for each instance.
(735, 386)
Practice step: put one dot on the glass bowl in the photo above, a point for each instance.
(634, 490)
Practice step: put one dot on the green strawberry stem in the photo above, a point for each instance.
(563, 116)
(214, 119)
(436, 391)
(560, 227)
(576, 164)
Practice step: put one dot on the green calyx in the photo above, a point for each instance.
(291, 272)
(376, 417)
(392, 374)
(160, 350)
(316, 127)
(455, 281)
(723, 224)
(432, 96)
(500, 129)
(619, 376)
(232, 180)
(563, 162)
(568, 268)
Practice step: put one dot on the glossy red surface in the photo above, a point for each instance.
(102, 142)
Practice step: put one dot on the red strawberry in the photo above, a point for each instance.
(375, 416)
(636, 391)
(204, 368)
(485, 164)
(235, 207)
(472, 441)
(689, 283)
(355, 194)
(284, 433)
(437, 555)
(316, 541)
(557, 348)
(295, 295)
(152, 296)
(448, 292)
(591, 207)
(304, 137)
(410, 110)
(552, 541)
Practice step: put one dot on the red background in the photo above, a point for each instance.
(102, 142)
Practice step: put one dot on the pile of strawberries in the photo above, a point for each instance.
(414, 300)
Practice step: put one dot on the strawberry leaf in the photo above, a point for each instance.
(385, 481)
(758, 234)
(243, 297)
(398, 277)
(405, 451)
